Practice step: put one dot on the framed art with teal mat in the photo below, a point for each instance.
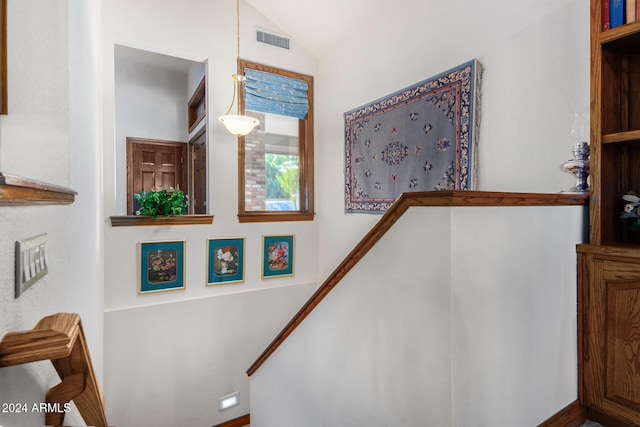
(162, 266)
(225, 261)
(278, 256)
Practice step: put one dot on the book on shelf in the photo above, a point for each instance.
(637, 9)
(631, 11)
(617, 12)
(606, 17)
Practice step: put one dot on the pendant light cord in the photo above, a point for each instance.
(238, 124)
(237, 78)
(238, 24)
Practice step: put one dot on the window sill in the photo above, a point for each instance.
(135, 220)
(274, 217)
(17, 191)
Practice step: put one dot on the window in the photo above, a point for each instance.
(275, 161)
(160, 107)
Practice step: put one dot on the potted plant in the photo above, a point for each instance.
(165, 201)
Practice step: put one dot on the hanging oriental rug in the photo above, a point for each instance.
(420, 138)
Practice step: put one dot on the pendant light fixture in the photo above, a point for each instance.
(238, 124)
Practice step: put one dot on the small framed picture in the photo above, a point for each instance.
(225, 261)
(162, 266)
(277, 256)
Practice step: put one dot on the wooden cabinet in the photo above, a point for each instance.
(609, 267)
(610, 332)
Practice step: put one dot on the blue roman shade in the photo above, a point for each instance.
(275, 94)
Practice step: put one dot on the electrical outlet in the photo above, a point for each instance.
(32, 262)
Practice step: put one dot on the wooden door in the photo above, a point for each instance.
(198, 191)
(154, 164)
(610, 350)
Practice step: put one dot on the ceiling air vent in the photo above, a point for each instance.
(273, 39)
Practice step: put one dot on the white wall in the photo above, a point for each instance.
(175, 360)
(52, 134)
(513, 311)
(452, 319)
(362, 357)
(535, 55)
(203, 31)
(34, 137)
(206, 42)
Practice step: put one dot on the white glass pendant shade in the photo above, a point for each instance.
(237, 124)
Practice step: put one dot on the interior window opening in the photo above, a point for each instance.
(160, 127)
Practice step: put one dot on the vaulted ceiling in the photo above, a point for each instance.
(318, 25)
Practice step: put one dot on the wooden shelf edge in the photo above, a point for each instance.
(456, 198)
(134, 221)
(275, 217)
(612, 250)
(629, 136)
(19, 191)
(615, 34)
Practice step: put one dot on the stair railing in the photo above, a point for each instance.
(393, 214)
(60, 338)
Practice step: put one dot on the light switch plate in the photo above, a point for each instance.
(32, 262)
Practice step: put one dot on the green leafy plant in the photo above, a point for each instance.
(165, 202)
(283, 177)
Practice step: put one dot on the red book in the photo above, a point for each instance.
(637, 10)
(606, 17)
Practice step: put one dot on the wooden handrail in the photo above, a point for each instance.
(404, 202)
(60, 338)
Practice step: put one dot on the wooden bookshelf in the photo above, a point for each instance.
(609, 267)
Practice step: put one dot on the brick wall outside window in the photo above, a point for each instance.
(255, 167)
